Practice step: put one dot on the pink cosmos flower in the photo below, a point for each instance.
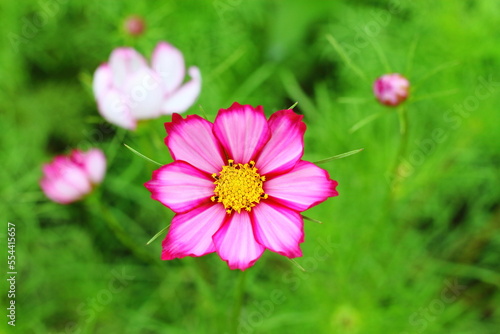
(69, 178)
(238, 185)
(391, 89)
(128, 90)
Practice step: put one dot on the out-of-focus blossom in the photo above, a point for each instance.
(68, 178)
(127, 89)
(391, 89)
(134, 25)
(238, 185)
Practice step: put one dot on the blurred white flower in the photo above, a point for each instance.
(128, 90)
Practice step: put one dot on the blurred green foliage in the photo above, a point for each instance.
(411, 247)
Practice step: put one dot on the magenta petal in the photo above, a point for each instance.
(180, 186)
(286, 146)
(60, 191)
(303, 187)
(193, 141)
(279, 229)
(242, 131)
(191, 233)
(235, 242)
(64, 181)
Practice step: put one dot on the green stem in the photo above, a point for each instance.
(238, 303)
(403, 144)
(95, 202)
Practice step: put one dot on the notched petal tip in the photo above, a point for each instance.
(243, 107)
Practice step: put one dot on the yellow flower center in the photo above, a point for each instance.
(238, 186)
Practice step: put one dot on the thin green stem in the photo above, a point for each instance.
(346, 58)
(366, 120)
(381, 56)
(434, 95)
(403, 144)
(238, 302)
(435, 71)
(411, 56)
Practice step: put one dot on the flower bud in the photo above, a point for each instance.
(134, 25)
(391, 89)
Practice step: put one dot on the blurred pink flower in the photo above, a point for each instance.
(128, 90)
(238, 185)
(391, 89)
(69, 178)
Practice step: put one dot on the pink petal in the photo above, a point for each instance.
(303, 187)
(64, 181)
(123, 63)
(180, 100)
(235, 242)
(94, 165)
(242, 131)
(72, 174)
(168, 62)
(59, 191)
(114, 107)
(193, 141)
(180, 186)
(191, 233)
(102, 80)
(286, 145)
(143, 94)
(278, 229)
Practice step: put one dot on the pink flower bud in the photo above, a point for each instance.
(69, 178)
(134, 25)
(391, 89)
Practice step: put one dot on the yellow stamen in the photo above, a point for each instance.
(238, 186)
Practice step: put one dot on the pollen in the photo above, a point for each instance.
(238, 187)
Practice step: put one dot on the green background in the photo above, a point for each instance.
(407, 247)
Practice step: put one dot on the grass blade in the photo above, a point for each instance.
(312, 219)
(338, 156)
(157, 235)
(142, 155)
